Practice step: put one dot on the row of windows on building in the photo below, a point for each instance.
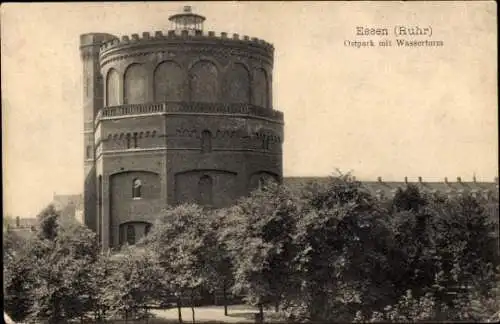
(132, 142)
(203, 80)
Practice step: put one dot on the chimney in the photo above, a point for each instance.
(459, 180)
(379, 179)
(474, 178)
(18, 221)
(420, 179)
(446, 180)
(406, 180)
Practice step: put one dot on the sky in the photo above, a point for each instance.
(380, 111)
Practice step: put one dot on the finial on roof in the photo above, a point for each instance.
(379, 179)
(459, 180)
(474, 178)
(406, 179)
(420, 179)
(187, 9)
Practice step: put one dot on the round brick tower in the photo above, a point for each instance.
(187, 117)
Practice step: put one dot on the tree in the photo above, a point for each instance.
(186, 244)
(342, 240)
(48, 223)
(133, 281)
(18, 282)
(63, 259)
(444, 257)
(258, 234)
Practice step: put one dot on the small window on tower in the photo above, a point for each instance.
(206, 141)
(265, 142)
(135, 140)
(136, 190)
(88, 152)
(128, 140)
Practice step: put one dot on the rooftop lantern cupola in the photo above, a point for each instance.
(187, 21)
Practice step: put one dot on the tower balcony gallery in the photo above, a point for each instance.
(174, 117)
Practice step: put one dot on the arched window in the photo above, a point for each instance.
(112, 88)
(206, 141)
(136, 190)
(205, 190)
(204, 83)
(261, 89)
(130, 234)
(238, 84)
(169, 82)
(135, 84)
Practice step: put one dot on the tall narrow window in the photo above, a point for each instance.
(128, 140)
(265, 142)
(206, 141)
(136, 190)
(88, 152)
(205, 190)
(135, 140)
(130, 234)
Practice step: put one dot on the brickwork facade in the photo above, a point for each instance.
(179, 117)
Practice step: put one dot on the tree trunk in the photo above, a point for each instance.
(192, 304)
(261, 314)
(224, 293)
(179, 308)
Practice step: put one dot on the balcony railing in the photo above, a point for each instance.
(190, 107)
